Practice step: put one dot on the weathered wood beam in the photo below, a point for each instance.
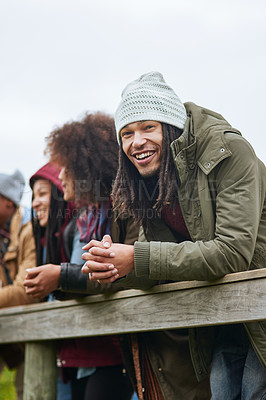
(235, 298)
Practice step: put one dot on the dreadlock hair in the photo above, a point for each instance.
(50, 235)
(144, 198)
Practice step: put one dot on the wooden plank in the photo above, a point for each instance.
(237, 301)
(230, 278)
(40, 375)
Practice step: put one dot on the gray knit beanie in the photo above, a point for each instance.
(149, 98)
(12, 186)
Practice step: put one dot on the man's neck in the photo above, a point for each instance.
(150, 186)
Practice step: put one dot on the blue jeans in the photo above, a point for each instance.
(63, 389)
(236, 372)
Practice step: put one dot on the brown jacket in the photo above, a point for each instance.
(20, 255)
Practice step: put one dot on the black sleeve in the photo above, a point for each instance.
(72, 279)
(74, 283)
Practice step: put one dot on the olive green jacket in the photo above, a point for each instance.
(221, 190)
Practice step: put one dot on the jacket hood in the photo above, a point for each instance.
(203, 140)
(50, 172)
(204, 119)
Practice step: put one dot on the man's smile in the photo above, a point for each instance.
(144, 157)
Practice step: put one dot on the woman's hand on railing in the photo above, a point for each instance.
(42, 280)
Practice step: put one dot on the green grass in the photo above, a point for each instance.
(7, 388)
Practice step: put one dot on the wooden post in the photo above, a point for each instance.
(40, 376)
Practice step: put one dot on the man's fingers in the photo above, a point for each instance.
(110, 280)
(92, 243)
(97, 254)
(107, 241)
(96, 251)
(108, 276)
(92, 266)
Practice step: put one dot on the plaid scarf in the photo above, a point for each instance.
(95, 222)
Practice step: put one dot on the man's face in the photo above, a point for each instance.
(68, 185)
(7, 208)
(142, 144)
(41, 200)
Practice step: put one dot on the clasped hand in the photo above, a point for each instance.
(42, 280)
(107, 261)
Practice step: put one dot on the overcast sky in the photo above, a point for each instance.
(61, 58)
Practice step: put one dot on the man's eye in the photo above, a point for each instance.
(126, 133)
(149, 127)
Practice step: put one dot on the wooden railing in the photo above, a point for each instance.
(238, 297)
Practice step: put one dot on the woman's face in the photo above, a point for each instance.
(41, 200)
(68, 185)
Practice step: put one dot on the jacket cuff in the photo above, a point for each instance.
(63, 276)
(71, 277)
(142, 258)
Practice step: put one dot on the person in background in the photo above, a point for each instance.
(198, 190)
(51, 216)
(17, 253)
(86, 152)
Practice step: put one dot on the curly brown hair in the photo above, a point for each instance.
(88, 150)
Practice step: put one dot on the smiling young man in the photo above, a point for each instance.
(198, 190)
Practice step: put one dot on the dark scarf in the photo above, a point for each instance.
(4, 243)
(4, 240)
